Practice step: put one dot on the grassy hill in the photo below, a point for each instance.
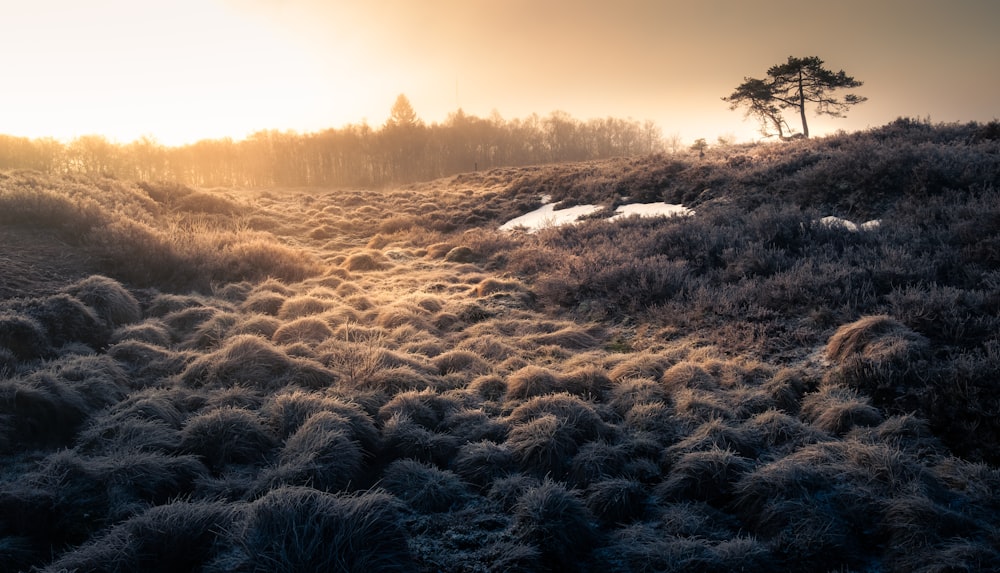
(311, 379)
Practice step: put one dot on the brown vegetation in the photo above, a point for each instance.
(412, 390)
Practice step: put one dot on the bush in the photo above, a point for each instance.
(295, 529)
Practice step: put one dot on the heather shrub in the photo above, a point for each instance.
(424, 488)
(301, 529)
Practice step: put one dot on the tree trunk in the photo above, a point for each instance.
(802, 107)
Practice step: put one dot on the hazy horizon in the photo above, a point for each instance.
(195, 70)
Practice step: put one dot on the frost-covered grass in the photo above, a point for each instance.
(384, 380)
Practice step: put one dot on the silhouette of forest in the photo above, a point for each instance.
(354, 155)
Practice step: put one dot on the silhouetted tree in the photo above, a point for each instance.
(402, 114)
(793, 84)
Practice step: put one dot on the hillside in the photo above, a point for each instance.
(330, 379)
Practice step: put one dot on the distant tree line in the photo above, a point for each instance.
(404, 149)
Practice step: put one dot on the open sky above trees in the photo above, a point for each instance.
(193, 69)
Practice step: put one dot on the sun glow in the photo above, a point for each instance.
(180, 71)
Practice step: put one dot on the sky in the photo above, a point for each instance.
(185, 70)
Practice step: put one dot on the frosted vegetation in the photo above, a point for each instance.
(383, 380)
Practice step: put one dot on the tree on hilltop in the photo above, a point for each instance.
(793, 85)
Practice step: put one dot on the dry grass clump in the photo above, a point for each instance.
(838, 410)
(484, 462)
(463, 362)
(264, 302)
(228, 436)
(302, 529)
(252, 361)
(303, 305)
(423, 487)
(557, 522)
(179, 536)
(112, 302)
(309, 329)
(531, 381)
(641, 365)
(151, 331)
(876, 353)
(708, 476)
(365, 261)
(322, 453)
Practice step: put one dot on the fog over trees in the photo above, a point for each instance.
(404, 149)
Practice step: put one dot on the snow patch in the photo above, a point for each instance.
(833, 222)
(547, 216)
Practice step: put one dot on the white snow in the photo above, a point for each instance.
(652, 210)
(840, 223)
(547, 216)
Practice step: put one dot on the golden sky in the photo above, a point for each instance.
(185, 70)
